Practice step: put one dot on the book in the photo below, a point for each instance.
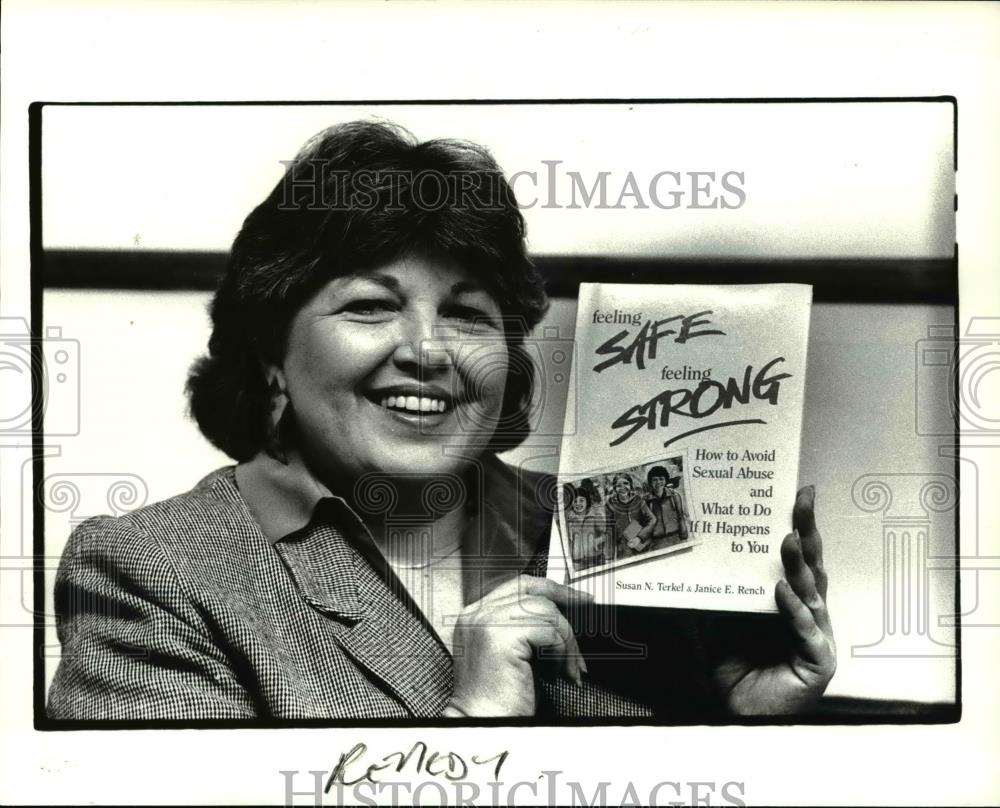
(681, 447)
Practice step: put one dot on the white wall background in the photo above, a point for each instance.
(827, 180)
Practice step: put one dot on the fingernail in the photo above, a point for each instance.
(798, 538)
(583, 665)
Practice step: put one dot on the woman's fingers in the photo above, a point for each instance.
(558, 593)
(814, 642)
(803, 516)
(531, 604)
(802, 581)
(537, 612)
(528, 585)
(504, 638)
(553, 639)
(804, 521)
(531, 586)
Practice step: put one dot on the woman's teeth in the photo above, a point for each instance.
(414, 403)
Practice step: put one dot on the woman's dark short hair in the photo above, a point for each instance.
(359, 196)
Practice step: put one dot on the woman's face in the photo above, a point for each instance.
(624, 489)
(580, 504)
(398, 370)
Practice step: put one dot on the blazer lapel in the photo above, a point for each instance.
(397, 645)
(378, 630)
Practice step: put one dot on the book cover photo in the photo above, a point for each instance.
(679, 463)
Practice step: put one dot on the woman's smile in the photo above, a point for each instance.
(424, 405)
(415, 408)
(414, 399)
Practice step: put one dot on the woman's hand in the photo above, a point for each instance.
(776, 672)
(500, 637)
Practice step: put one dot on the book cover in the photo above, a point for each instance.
(679, 466)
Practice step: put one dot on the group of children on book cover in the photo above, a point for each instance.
(615, 517)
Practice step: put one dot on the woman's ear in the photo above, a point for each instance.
(274, 375)
(277, 388)
(277, 391)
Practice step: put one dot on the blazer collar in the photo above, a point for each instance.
(281, 496)
(328, 547)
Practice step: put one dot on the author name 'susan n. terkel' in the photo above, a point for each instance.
(679, 586)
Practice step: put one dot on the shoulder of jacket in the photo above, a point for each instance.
(214, 493)
(213, 504)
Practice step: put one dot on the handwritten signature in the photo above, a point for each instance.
(420, 760)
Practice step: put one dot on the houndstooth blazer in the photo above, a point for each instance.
(184, 610)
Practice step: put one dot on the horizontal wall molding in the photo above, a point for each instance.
(875, 280)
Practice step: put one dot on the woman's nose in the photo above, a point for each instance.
(422, 341)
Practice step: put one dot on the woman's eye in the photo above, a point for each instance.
(471, 316)
(369, 307)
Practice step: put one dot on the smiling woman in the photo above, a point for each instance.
(369, 556)
(375, 379)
